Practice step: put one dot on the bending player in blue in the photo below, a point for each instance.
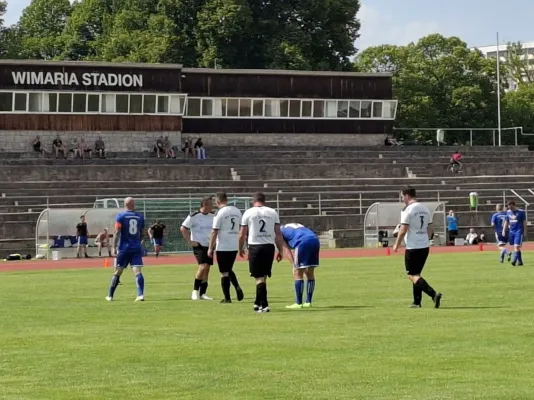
(498, 220)
(127, 239)
(305, 259)
(515, 224)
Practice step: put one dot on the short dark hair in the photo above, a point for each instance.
(158, 221)
(221, 197)
(82, 216)
(258, 197)
(511, 202)
(409, 191)
(205, 201)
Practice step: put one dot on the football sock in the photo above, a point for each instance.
(233, 279)
(299, 288)
(519, 257)
(261, 294)
(515, 256)
(310, 287)
(203, 288)
(225, 285)
(426, 288)
(504, 252)
(417, 294)
(113, 285)
(196, 285)
(140, 283)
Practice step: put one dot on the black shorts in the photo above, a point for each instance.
(260, 260)
(415, 259)
(453, 234)
(201, 254)
(226, 260)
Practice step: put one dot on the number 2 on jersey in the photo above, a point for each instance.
(262, 226)
(132, 227)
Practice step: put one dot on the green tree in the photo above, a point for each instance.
(41, 27)
(439, 82)
(518, 108)
(518, 65)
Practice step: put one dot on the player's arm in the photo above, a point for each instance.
(186, 231)
(430, 230)
(117, 235)
(289, 252)
(243, 232)
(404, 222)
(217, 222)
(279, 239)
(505, 226)
(150, 232)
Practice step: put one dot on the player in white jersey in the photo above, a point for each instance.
(260, 229)
(416, 229)
(224, 241)
(196, 230)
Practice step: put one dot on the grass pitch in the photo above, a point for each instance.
(59, 338)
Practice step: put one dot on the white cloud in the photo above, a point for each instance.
(380, 27)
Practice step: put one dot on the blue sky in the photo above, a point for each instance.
(403, 21)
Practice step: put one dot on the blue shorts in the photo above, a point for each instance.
(307, 254)
(133, 259)
(82, 240)
(157, 242)
(516, 238)
(500, 239)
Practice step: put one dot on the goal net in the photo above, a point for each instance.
(381, 219)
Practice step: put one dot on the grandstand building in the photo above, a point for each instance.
(223, 106)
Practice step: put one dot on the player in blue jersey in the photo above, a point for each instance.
(497, 221)
(127, 239)
(305, 245)
(515, 225)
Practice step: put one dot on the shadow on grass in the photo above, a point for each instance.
(326, 308)
(470, 308)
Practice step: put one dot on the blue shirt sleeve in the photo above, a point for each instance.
(493, 219)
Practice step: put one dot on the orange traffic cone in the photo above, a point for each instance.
(106, 263)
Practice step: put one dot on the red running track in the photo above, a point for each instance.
(186, 259)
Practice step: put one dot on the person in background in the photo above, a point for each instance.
(159, 146)
(515, 226)
(452, 225)
(199, 148)
(100, 147)
(188, 148)
(59, 147)
(102, 240)
(456, 160)
(82, 235)
(39, 148)
(472, 237)
(169, 152)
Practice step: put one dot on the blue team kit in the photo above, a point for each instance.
(497, 220)
(130, 250)
(516, 220)
(305, 244)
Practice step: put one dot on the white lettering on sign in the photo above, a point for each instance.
(71, 79)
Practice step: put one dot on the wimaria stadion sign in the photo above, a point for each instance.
(73, 79)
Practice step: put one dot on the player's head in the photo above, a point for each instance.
(206, 205)
(499, 207)
(82, 218)
(472, 230)
(129, 203)
(106, 230)
(258, 199)
(451, 212)
(221, 199)
(158, 222)
(511, 205)
(408, 194)
(457, 151)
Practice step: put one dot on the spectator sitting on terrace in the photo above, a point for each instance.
(59, 147)
(159, 146)
(82, 148)
(199, 148)
(38, 147)
(390, 141)
(455, 159)
(472, 237)
(100, 147)
(169, 152)
(188, 148)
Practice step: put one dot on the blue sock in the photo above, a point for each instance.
(515, 256)
(113, 285)
(299, 289)
(503, 254)
(310, 287)
(519, 256)
(140, 282)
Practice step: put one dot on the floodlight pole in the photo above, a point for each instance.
(499, 91)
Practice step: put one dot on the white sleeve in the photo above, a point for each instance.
(405, 218)
(187, 222)
(244, 220)
(277, 218)
(217, 222)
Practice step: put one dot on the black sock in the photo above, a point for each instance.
(257, 302)
(196, 285)
(225, 285)
(261, 292)
(203, 288)
(425, 287)
(417, 295)
(233, 279)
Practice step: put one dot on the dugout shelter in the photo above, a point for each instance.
(382, 218)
